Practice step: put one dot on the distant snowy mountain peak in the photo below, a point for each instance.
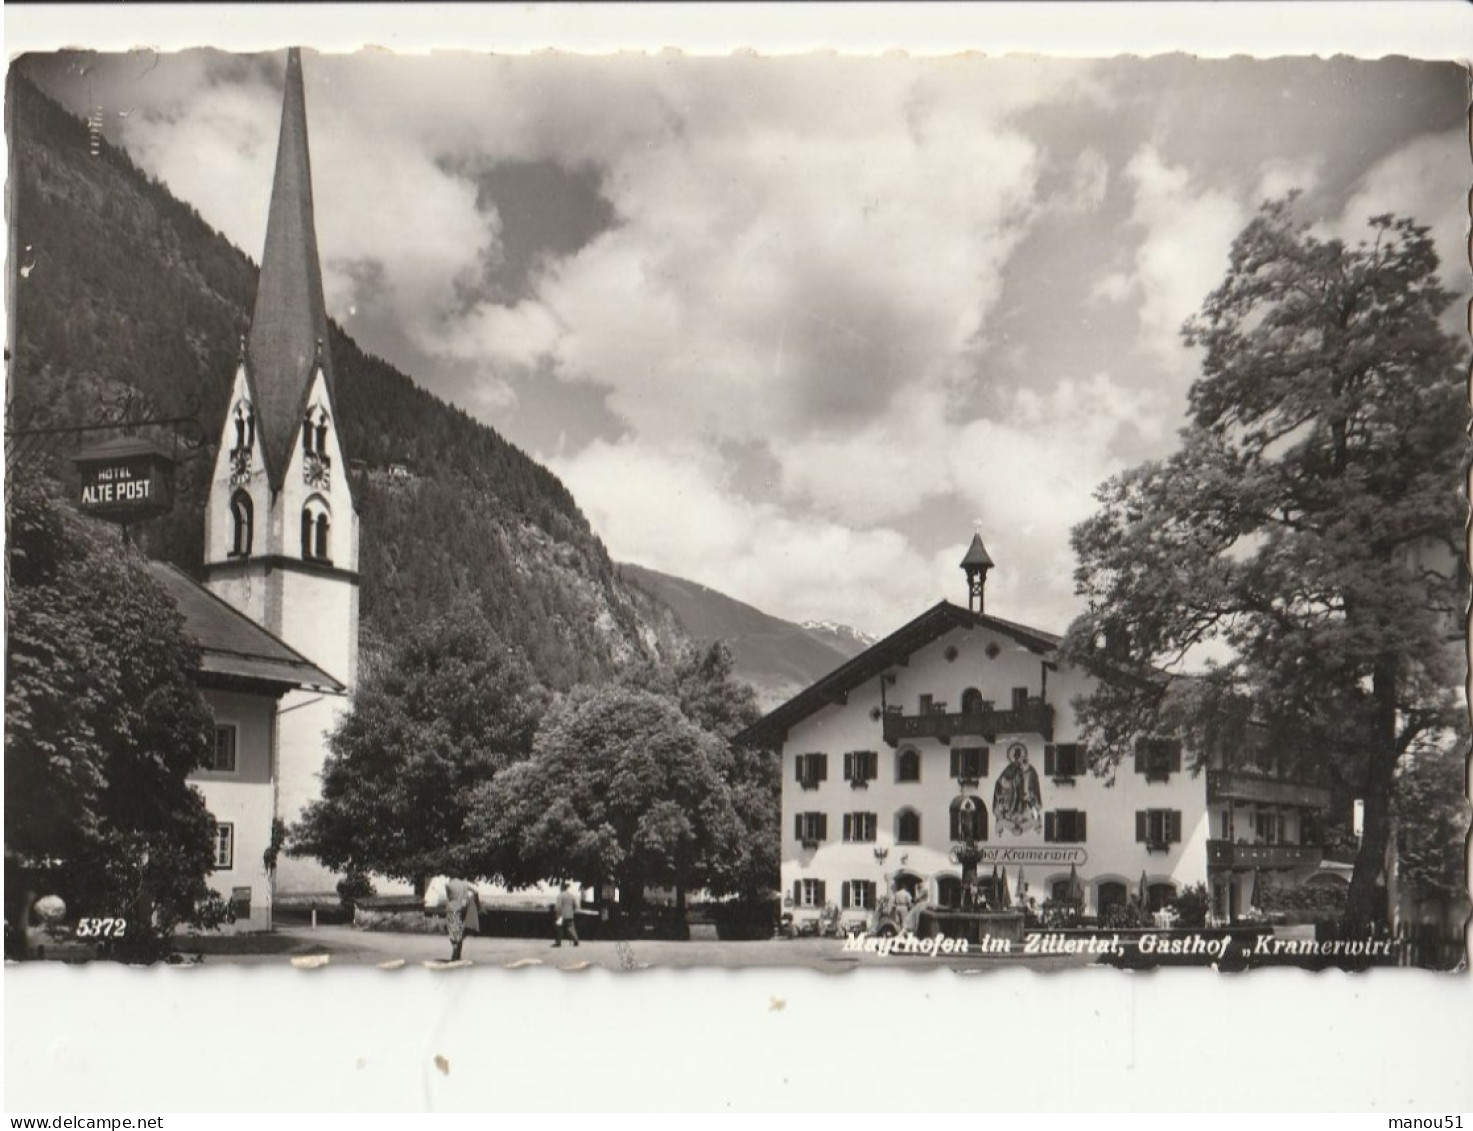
(842, 632)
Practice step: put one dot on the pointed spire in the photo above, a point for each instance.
(290, 319)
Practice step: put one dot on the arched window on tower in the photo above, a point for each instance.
(316, 463)
(243, 518)
(316, 530)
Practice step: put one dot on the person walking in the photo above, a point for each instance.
(567, 916)
(462, 914)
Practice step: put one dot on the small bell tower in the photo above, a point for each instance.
(975, 565)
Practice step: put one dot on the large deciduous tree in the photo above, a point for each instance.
(446, 708)
(621, 787)
(703, 683)
(1307, 533)
(103, 724)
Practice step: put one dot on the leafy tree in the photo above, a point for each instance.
(620, 787)
(1431, 808)
(444, 710)
(104, 723)
(704, 684)
(1308, 530)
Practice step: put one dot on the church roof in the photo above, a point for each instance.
(289, 333)
(931, 625)
(233, 648)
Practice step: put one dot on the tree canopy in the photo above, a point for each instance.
(1306, 536)
(446, 708)
(104, 722)
(621, 787)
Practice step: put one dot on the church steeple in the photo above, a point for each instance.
(289, 323)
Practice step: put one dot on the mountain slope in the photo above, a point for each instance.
(775, 656)
(124, 290)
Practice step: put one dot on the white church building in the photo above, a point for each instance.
(281, 523)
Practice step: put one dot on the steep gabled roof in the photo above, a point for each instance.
(290, 316)
(931, 625)
(233, 647)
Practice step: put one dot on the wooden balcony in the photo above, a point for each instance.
(1235, 785)
(1035, 718)
(1226, 854)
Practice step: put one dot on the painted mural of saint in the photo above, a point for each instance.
(1017, 804)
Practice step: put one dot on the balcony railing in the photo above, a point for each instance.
(1235, 785)
(1035, 718)
(1226, 854)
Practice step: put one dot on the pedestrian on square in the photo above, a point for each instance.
(462, 914)
(567, 916)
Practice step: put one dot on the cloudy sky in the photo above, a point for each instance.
(796, 327)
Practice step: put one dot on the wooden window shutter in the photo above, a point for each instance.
(1140, 824)
(955, 763)
(797, 893)
(1050, 826)
(985, 754)
(844, 889)
(798, 826)
(823, 767)
(798, 762)
(1140, 754)
(848, 826)
(1079, 819)
(849, 767)
(823, 826)
(871, 763)
(1050, 760)
(821, 893)
(1174, 821)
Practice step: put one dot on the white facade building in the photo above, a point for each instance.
(958, 709)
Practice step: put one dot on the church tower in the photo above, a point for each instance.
(281, 524)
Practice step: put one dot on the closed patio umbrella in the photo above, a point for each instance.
(1076, 889)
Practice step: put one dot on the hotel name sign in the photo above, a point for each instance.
(1034, 854)
(125, 486)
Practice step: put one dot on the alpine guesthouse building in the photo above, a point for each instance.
(961, 716)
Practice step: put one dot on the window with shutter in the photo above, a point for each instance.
(1173, 832)
(1141, 817)
(1065, 826)
(822, 898)
(845, 893)
(1050, 760)
(908, 827)
(908, 766)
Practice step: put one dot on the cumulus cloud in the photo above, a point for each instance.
(1425, 179)
(1188, 227)
(675, 510)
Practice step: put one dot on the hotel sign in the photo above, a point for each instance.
(1037, 854)
(125, 481)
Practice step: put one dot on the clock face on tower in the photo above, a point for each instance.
(316, 472)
